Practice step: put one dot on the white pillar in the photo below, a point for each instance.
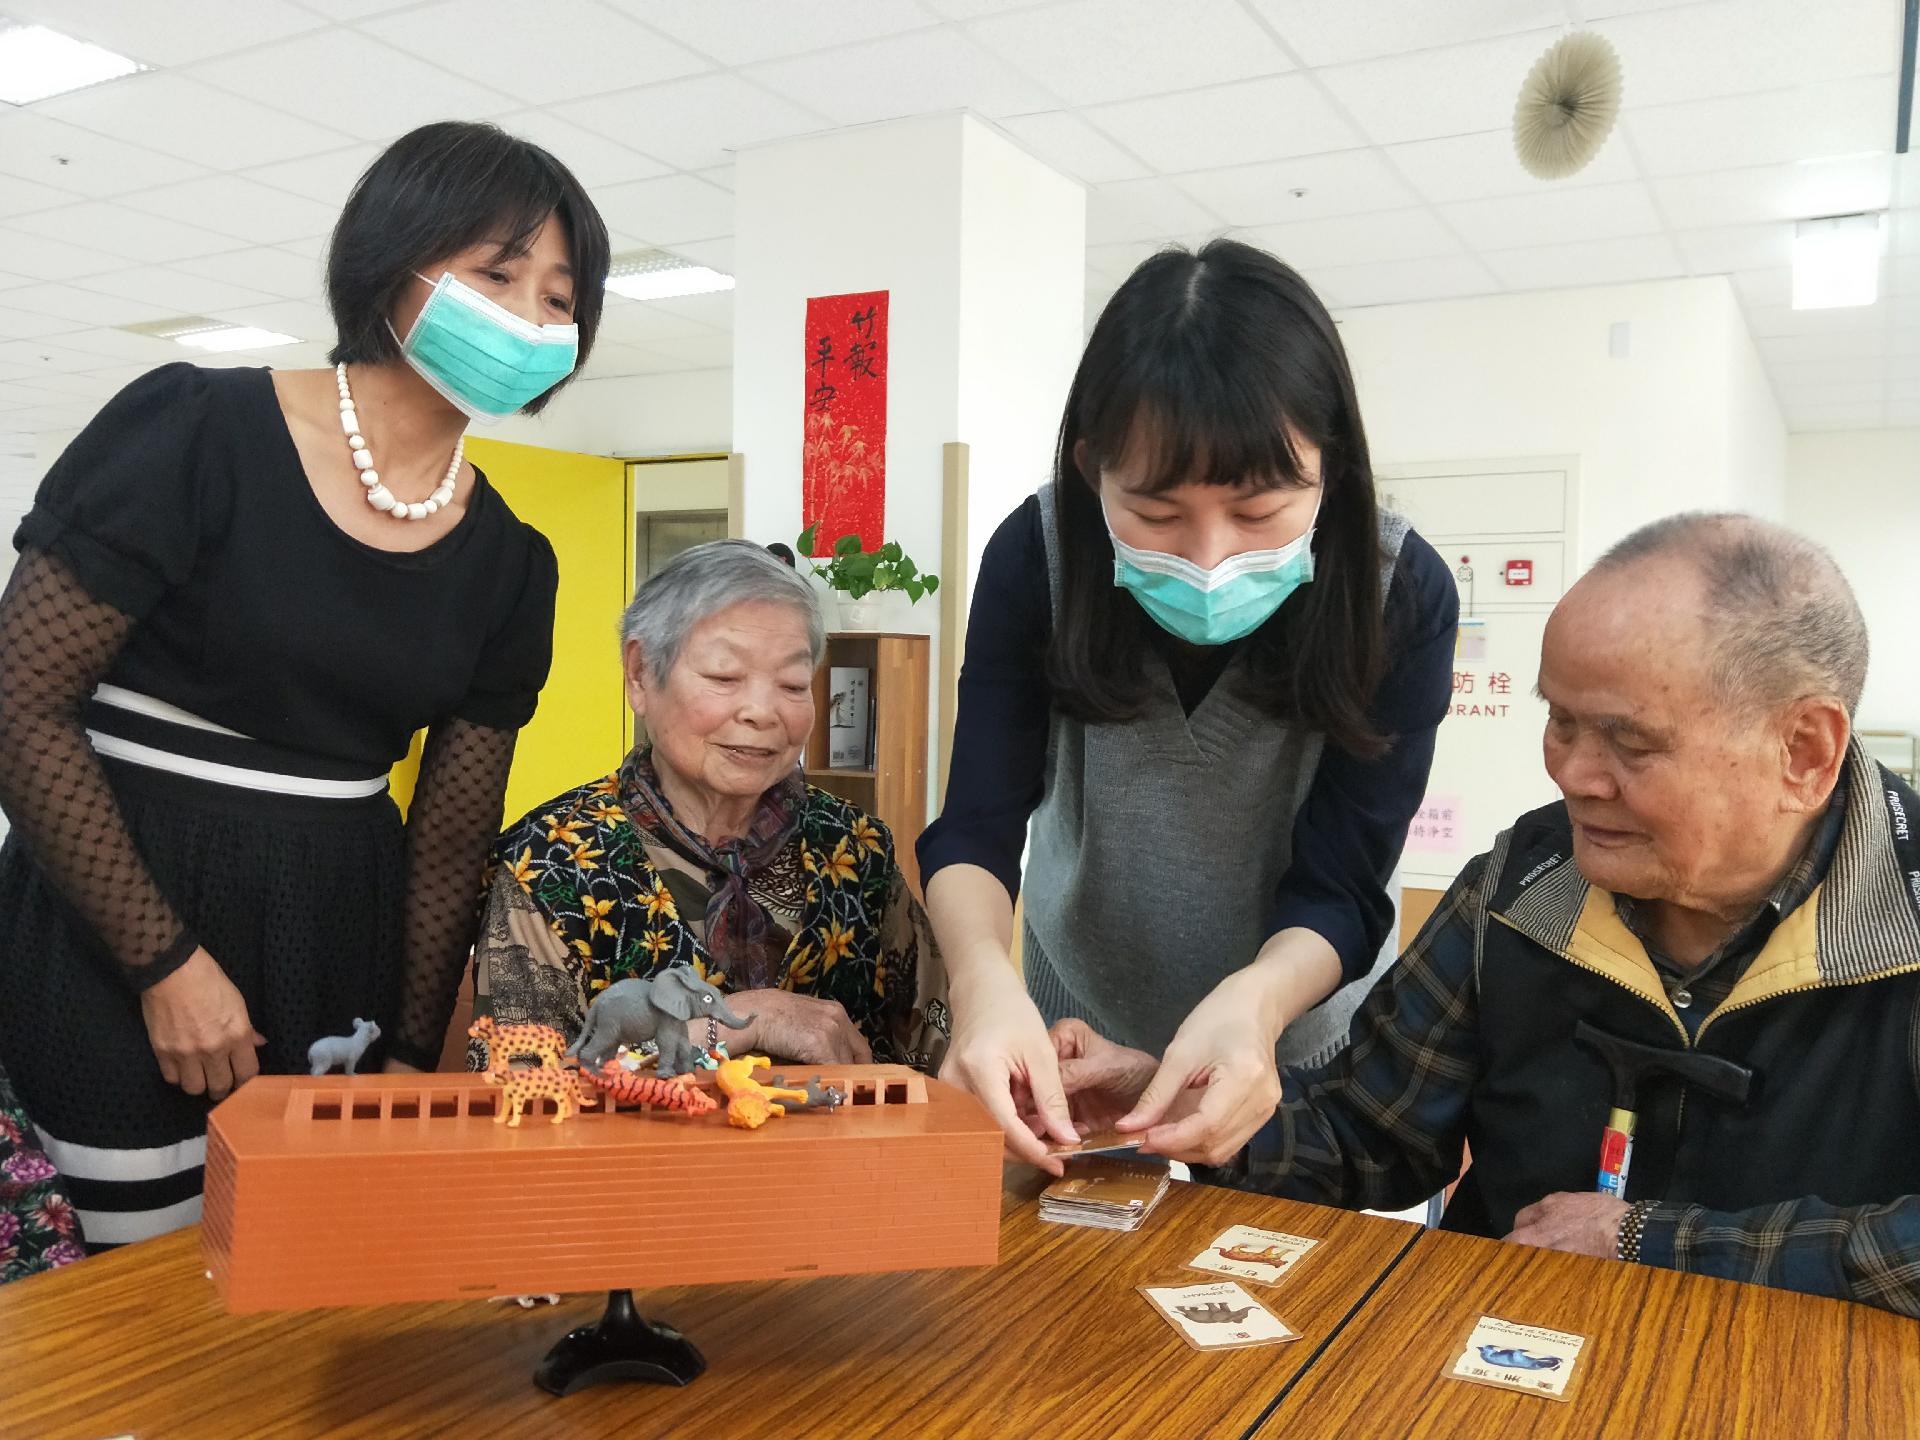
(982, 249)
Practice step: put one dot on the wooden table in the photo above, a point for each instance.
(1052, 1341)
(1666, 1355)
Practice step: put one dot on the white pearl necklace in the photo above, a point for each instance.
(378, 495)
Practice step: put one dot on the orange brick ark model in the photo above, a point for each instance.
(373, 1189)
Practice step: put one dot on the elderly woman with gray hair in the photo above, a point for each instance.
(706, 849)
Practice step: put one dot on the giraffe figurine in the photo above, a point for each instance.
(505, 1043)
(568, 1090)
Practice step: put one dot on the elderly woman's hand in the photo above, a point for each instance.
(1103, 1081)
(799, 1029)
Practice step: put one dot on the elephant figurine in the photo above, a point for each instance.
(628, 1012)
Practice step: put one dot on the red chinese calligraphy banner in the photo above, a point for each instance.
(843, 460)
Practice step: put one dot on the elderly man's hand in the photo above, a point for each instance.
(1102, 1080)
(799, 1029)
(1580, 1224)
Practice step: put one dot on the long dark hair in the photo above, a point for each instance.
(1203, 363)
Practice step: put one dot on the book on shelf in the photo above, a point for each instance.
(849, 718)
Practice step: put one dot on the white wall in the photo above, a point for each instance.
(1678, 423)
(685, 413)
(1857, 492)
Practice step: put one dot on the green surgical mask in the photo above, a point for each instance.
(483, 359)
(1212, 607)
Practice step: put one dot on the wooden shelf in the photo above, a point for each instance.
(894, 790)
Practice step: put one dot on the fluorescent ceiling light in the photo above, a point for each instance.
(36, 63)
(1836, 262)
(658, 275)
(236, 337)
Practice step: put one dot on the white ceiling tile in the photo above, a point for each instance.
(84, 307)
(721, 175)
(1109, 265)
(593, 159)
(1456, 91)
(314, 247)
(693, 123)
(1398, 282)
(1774, 192)
(23, 197)
(1090, 51)
(168, 112)
(666, 210)
(47, 355)
(327, 179)
(715, 254)
(234, 206)
(40, 258)
(345, 10)
(1357, 239)
(556, 50)
(1730, 47)
(175, 291)
(1903, 392)
(1813, 122)
(1901, 229)
(1865, 416)
(67, 157)
(1903, 416)
(714, 311)
(57, 386)
(633, 322)
(1760, 288)
(1836, 345)
(29, 324)
(1766, 321)
(1904, 366)
(1906, 177)
(302, 319)
(1901, 275)
(1476, 166)
(609, 361)
(1067, 142)
(165, 34)
(710, 351)
(1142, 210)
(108, 349)
(1554, 217)
(974, 9)
(352, 83)
(1333, 32)
(916, 74)
(1351, 183)
(1272, 118)
(1812, 396)
(121, 231)
(1721, 249)
(1865, 368)
(1592, 262)
(739, 32)
(271, 271)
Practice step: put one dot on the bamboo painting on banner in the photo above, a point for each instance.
(843, 467)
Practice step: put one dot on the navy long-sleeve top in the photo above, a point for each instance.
(1348, 833)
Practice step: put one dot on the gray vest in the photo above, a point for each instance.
(1158, 847)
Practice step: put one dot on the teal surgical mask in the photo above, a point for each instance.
(485, 360)
(1211, 607)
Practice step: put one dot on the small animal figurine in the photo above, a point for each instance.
(749, 1103)
(656, 1008)
(819, 1097)
(568, 1090)
(506, 1043)
(331, 1050)
(1509, 1357)
(1215, 1312)
(629, 1088)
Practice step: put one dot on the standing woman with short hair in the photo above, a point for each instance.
(240, 593)
(1209, 670)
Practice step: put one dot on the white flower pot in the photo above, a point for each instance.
(869, 612)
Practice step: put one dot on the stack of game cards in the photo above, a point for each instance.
(1109, 1192)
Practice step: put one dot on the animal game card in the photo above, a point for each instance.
(1519, 1357)
(1220, 1316)
(1262, 1256)
(1104, 1141)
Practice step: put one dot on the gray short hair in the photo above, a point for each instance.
(1781, 619)
(698, 584)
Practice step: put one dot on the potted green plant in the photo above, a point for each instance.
(865, 577)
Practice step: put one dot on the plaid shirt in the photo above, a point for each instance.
(1382, 1125)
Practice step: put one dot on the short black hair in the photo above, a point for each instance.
(437, 191)
(782, 553)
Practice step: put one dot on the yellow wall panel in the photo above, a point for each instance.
(583, 505)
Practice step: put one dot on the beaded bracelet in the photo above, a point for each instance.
(1632, 1226)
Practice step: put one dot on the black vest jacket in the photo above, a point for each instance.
(1827, 1016)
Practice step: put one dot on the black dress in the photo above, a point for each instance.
(203, 683)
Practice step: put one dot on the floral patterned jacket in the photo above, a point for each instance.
(38, 1230)
(580, 897)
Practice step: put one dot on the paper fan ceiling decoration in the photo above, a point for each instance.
(1567, 106)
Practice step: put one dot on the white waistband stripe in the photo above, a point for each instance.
(86, 1162)
(153, 709)
(124, 1227)
(136, 754)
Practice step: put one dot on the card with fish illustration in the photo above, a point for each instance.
(1519, 1357)
(1262, 1256)
(1220, 1316)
